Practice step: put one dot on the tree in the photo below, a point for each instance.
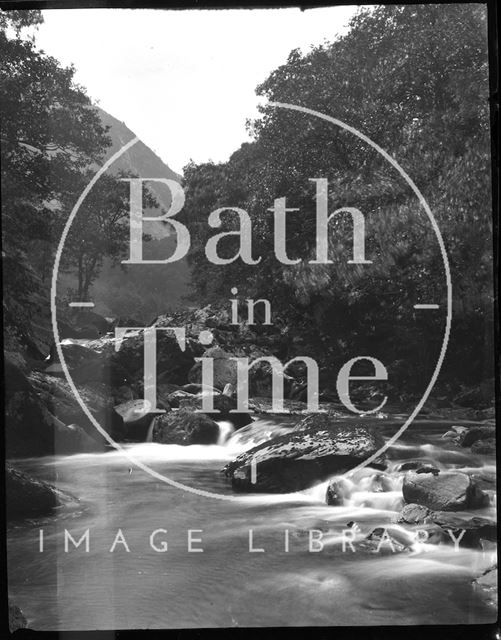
(100, 229)
(49, 133)
(415, 80)
(52, 138)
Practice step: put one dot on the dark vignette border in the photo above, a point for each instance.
(418, 632)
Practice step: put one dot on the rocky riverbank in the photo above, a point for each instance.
(43, 417)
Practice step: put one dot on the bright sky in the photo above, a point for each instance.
(183, 81)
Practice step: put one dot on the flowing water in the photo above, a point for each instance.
(226, 584)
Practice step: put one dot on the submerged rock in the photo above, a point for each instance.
(310, 453)
(448, 491)
(173, 364)
(30, 498)
(185, 427)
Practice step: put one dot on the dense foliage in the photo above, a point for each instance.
(52, 138)
(415, 80)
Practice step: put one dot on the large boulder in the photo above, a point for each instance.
(30, 498)
(224, 369)
(260, 377)
(311, 452)
(447, 491)
(137, 418)
(172, 363)
(185, 427)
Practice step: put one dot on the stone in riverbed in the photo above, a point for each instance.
(175, 398)
(449, 491)
(487, 584)
(308, 454)
(185, 427)
(413, 514)
(30, 498)
(446, 526)
(413, 465)
(468, 530)
(137, 418)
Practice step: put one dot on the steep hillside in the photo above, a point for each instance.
(139, 159)
(140, 291)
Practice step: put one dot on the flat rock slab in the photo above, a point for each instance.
(308, 454)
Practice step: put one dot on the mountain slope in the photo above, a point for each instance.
(139, 159)
(140, 291)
